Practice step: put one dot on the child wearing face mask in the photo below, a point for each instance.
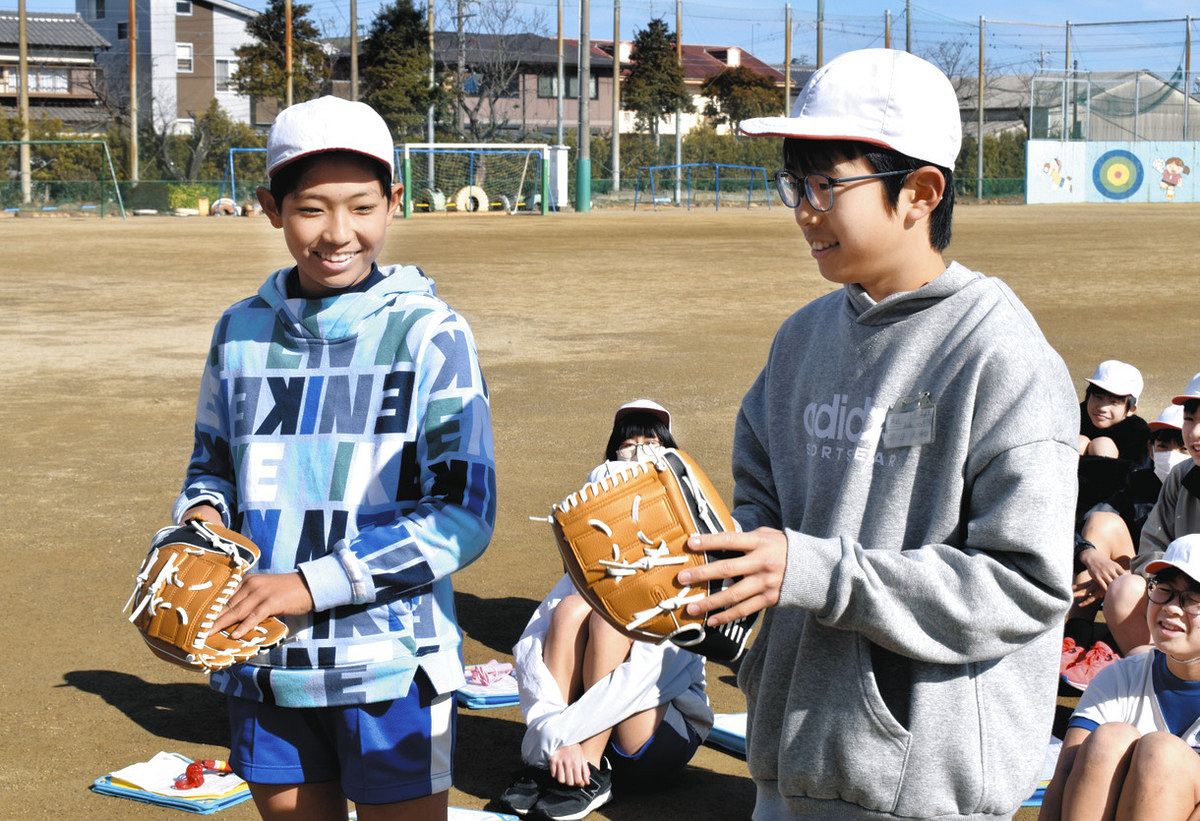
(1106, 542)
(1130, 746)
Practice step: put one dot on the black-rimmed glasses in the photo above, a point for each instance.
(818, 188)
(1189, 600)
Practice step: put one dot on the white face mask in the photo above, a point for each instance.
(1164, 460)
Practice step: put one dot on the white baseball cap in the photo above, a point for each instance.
(1192, 391)
(1182, 554)
(1170, 419)
(880, 96)
(1118, 378)
(328, 124)
(643, 406)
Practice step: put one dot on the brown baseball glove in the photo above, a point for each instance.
(623, 543)
(182, 587)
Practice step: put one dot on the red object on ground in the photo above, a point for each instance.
(1081, 673)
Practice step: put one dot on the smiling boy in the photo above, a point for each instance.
(904, 471)
(344, 427)
(1130, 746)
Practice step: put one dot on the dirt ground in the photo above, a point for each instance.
(107, 323)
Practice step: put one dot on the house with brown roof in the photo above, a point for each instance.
(63, 76)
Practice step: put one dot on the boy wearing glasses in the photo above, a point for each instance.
(1130, 746)
(905, 476)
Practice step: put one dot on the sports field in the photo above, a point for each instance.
(107, 324)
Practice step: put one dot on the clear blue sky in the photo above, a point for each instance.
(758, 25)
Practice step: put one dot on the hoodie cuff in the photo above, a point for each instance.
(808, 575)
(337, 579)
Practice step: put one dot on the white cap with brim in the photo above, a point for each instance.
(1183, 554)
(1118, 378)
(1192, 391)
(880, 96)
(1170, 419)
(328, 124)
(643, 406)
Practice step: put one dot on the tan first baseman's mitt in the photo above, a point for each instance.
(623, 543)
(182, 587)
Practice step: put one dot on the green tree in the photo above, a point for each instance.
(654, 87)
(395, 68)
(201, 155)
(738, 94)
(262, 71)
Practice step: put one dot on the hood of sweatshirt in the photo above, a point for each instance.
(339, 316)
(900, 306)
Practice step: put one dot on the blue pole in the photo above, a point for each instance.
(717, 167)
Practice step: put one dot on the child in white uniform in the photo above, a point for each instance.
(600, 708)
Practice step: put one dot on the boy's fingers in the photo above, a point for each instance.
(723, 569)
(698, 543)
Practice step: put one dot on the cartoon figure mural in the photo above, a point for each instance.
(1172, 170)
(1053, 169)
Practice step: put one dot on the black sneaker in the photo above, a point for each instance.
(523, 793)
(563, 803)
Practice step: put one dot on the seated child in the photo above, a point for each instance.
(1175, 513)
(1108, 424)
(1129, 747)
(1107, 540)
(602, 710)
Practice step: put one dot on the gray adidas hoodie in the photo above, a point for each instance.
(920, 454)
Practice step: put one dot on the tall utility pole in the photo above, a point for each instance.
(787, 60)
(460, 19)
(678, 111)
(887, 28)
(133, 93)
(558, 87)
(1066, 78)
(616, 101)
(820, 33)
(353, 49)
(583, 165)
(908, 26)
(429, 115)
(1187, 72)
(23, 104)
(287, 47)
(979, 119)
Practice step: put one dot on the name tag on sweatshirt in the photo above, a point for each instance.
(909, 422)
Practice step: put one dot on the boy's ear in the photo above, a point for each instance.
(267, 200)
(394, 199)
(928, 186)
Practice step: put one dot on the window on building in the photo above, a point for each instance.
(223, 71)
(547, 86)
(98, 9)
(183, 7)
(122, 31)
(183, 58)
(49, 80)
(573, 87)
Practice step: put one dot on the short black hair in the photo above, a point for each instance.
(1170, 574)
(1190, 407)
(1092, 390)
(806, 156)
(637, 423)
(1171, 437)
(287, 179)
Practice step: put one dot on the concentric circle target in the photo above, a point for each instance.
(1117, 174)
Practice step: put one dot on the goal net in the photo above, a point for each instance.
(63, 175)
(476, 178)
(702, 184)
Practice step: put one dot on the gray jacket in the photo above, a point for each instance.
(1175, 514)
(920, 455)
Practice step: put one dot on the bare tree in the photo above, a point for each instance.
(490, 40)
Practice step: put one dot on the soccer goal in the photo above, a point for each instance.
(476, 177)
(701, 184)
(245, 171)
(64, 175)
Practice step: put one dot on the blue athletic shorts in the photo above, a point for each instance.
(381, 753)
(664, 753)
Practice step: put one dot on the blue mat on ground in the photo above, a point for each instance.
(169, 765)
(728, 733)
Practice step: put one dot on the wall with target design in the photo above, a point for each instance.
(1111, 172)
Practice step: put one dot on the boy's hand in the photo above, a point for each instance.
(1102, 569)
(761, 567)
(569, 766)
(262, 595)
(205, 512)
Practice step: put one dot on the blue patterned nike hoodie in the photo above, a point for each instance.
(350, 438)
